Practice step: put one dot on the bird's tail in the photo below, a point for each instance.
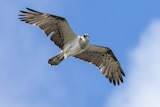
(56, 59)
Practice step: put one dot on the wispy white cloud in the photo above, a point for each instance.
(142, 84)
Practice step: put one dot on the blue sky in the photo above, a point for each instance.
(130, 28)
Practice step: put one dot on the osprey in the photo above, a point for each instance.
(72, 45)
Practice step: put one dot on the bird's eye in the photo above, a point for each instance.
(85, 35)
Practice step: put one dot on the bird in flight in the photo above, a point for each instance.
(72, 45)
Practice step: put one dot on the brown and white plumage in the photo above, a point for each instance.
(49, 24)
(105, 60)
(73, 45)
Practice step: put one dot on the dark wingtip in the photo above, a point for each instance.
(121, 80)
(29, 9)
(110, 80)
(114, 82)
(118, 82)
(22, 11)
(32, 10)
(121, 70)
(122, 73)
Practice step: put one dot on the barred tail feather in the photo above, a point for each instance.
(56, 59)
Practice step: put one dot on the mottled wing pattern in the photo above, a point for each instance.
(53, 25)
(105, 60)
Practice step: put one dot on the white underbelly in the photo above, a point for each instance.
(72, 48)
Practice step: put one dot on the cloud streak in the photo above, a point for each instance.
(142, 85)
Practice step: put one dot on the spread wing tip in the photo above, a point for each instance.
(32, 10)
(123, 73)
(116, 80)
(22, 12)
(24, 16)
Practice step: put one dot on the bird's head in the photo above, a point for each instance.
(86, 37)
(84, 40)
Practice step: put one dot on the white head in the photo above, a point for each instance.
(86, 37)
(84, 40)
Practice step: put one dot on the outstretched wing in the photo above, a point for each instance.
(52, 25)
(105, 60)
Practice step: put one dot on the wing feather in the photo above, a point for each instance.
(105, 60)
(53, 25)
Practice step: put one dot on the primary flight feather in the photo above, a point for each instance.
(72, 45)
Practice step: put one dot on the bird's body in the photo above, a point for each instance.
(76, 46)
(73, 45)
